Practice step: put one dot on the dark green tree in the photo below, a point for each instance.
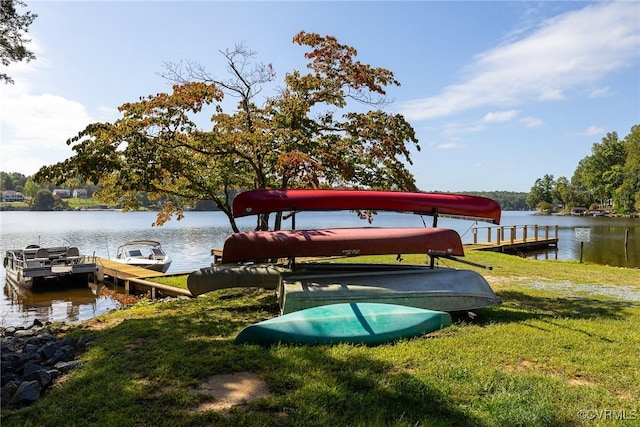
(12, 181)
(562, 191)
(13, 27)
(44, 201)
(601, 173)
(542, 191)
(627, 196)
(565, 193)
(31, 188)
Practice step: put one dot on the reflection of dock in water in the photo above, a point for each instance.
(66, 305)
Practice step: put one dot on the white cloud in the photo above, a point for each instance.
(599, 92)
(451, 146)
(35, 127)
(573, 49)
(592, 131)
(455, 129)
(500, 116)
(531, 122)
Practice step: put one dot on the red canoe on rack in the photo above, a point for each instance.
(249, 246)
(257, 202)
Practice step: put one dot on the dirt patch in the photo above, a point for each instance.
(137, 344)
(228, 390)
(99, 324)
(580, 381)
(521, 366)
(496, 279)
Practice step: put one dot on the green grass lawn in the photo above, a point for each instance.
(562, 349)
(14, 205)
(178, 281)
(76, 203)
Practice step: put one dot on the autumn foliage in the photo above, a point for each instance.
(312, 133)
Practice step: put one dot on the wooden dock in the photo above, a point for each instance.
(514, 238)
(133, 278)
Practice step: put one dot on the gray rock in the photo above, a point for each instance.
(65, 367)
(30, 368)
(24, 333)
(28, 391)
(32, 358)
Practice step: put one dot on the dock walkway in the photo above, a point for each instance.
(134, 278)
(515, 238)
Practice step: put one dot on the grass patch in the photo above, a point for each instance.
(14, 205)
(543, 357)
(177, 281)
(77, 203)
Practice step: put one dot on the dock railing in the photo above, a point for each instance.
(516, 233)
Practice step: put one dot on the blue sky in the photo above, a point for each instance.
(499, 93)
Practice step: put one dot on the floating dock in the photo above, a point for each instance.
(515, 238)
(133, 278)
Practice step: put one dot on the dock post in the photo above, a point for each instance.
(626, 243)
(626, 238)
(535, 232)
(524, 233)
(489, 234)
(513, 234)
(499, 234)
(475, 236)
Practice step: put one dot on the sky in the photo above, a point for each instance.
(499, 93)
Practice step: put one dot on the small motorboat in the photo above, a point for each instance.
(144, 253)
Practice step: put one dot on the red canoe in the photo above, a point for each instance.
(256, 202)
(257, 245)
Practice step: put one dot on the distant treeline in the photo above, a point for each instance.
(508, 200)
(608, 179)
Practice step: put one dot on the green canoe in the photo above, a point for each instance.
(356, 323)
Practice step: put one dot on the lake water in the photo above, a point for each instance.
(189, 243)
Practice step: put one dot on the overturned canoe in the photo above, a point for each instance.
(209, 279)
(257, 245)
(441, 289)
(256, 202)
(356, 323)
(268, 276)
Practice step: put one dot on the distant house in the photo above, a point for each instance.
(12, 196)
(80, 193)
(63, 193)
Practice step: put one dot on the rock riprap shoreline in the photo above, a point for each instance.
(32, 358)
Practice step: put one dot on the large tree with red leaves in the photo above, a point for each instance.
(308, 134)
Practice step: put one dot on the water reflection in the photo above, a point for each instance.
(70, 305)
(544, 255)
